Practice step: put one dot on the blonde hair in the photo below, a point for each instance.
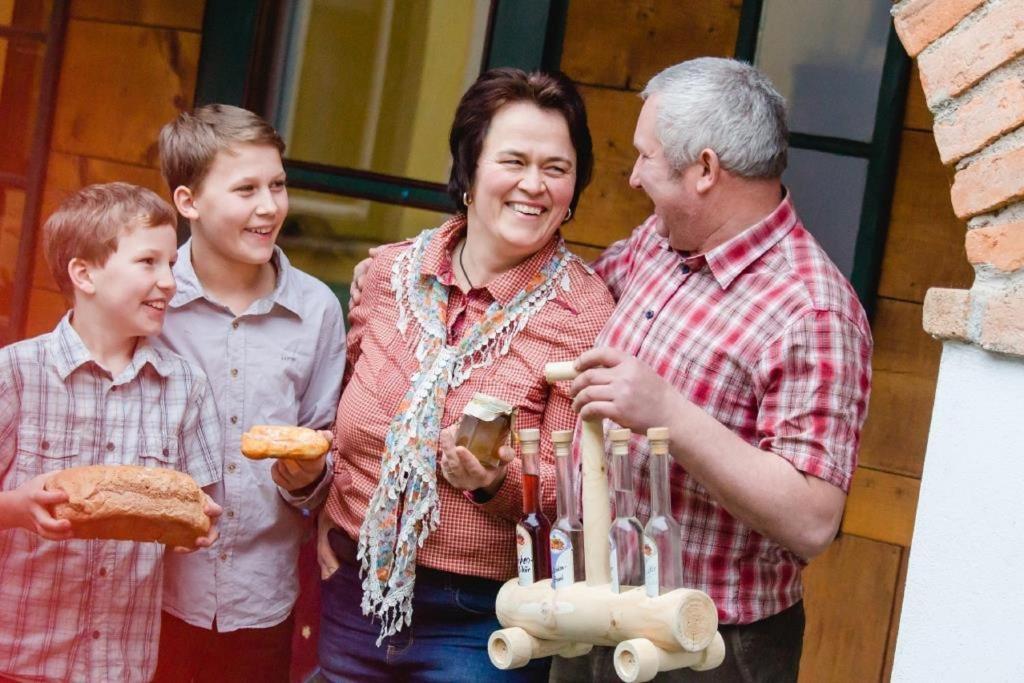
(87, 224)
(189, 143)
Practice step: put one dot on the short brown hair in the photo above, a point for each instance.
(189, 143)
(492, 91)
(87, 224)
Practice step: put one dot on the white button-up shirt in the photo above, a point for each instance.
(280, 362)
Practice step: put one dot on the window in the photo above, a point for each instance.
(31, 41)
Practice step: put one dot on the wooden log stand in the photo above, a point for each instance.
(672, 631)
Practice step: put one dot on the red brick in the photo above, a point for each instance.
(1002, 328)
(945, 313)
(1000, 246)
(988, 183)
(970, 54)
(989, 114)
(920, 22)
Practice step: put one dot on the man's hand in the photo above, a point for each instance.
(613, 384)
(31, 507)
(463, 471)
(213, 511)
(355, 290)
(292, 475)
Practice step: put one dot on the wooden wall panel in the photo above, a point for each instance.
(186, 14)
(621, 44)
(849, 597)
(610, 208)
(45, 308)
(916, 116)
(881, 506)
(924, 247)
(118, 85)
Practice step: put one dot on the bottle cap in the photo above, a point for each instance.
(657, 434)
(487, 408)
(561, 436)
(619, 434)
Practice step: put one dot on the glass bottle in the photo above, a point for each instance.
(626, 534)
(567, 564)
(484, 428)
(533, 528)
(663, 562)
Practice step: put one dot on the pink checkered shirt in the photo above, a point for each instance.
(473, 539)
(89, 610)
(765, 334)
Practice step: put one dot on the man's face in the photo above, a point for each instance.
(672, 193)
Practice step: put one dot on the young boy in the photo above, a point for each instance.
(94, 391)
(272, 340)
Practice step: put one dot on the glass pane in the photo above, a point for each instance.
(21, 66)
(12, 205)
(827, 191)
(326, 235)
(373, 84)
(829, 75)
(31, 15)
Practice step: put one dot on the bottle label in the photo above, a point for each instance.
(562, 569)
(650, 567)
(613, 560)
(524, 555)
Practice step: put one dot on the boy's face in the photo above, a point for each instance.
(240, 206)
(131, 290)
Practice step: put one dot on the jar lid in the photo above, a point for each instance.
(487, 408)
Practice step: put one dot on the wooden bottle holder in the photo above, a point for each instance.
(672, 631)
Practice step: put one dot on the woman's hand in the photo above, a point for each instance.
(355, 290)
(325, 557)
(463, 471)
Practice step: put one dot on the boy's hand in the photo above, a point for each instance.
(293, 475)
(355, 290)
(462, 469)
(31, 507)
(213, 511)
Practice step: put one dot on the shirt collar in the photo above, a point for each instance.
(190, 288)
(728, 260)
(437, 262)
(70, 353)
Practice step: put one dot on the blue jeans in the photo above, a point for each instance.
(452, 618)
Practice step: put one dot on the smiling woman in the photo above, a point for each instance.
(478, 304)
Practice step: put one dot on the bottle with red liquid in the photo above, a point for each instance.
(567, 562)
(533, 529)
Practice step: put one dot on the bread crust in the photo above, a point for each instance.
(131, 503)
(277, 441)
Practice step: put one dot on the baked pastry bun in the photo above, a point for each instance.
(131, 503)
(273, 441)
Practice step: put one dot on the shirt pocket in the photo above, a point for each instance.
(159, 451)
(41, 452)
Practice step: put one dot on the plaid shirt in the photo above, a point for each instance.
(766, 335)
(472, 539)
(89, 610)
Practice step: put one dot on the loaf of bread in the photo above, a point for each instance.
(129, 503)
(273, 441)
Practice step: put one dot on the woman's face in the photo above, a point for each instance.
(524, 180)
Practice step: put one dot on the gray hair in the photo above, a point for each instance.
(724, 105)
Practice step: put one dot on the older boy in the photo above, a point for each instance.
(94, 391)
(272, 340)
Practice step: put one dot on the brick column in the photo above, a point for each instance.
(971, 57)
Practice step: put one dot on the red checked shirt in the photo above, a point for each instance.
(765, 334)
(478, 540)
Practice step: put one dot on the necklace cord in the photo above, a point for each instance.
(462, 248)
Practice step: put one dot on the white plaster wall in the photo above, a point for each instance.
(963, 609)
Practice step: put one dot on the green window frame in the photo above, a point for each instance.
(236, 56)
(881, 153)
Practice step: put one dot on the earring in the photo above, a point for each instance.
(568, 215)
(466, 199)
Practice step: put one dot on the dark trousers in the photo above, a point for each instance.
(453, 616)
(249, 655)
(767, 651)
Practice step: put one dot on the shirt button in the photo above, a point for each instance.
(234, 372)
(685, 269)
(231, 514)
(110, 445)
(103, 571)
(649, 314)
(232, 467)
(45, 445)
(95, 635)
(113, 388)
(234, 325)
(166, 452)
(234, 419)
(223, 557)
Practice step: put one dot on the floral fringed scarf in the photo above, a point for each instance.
(404, 509)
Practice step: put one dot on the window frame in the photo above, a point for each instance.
(881, 153)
